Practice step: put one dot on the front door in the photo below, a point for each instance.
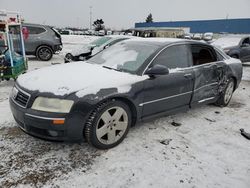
(168, 92)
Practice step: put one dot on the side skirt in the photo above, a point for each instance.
(166, 113)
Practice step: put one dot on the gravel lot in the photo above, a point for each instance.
(204, 150)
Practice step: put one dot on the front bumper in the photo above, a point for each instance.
(40, 124)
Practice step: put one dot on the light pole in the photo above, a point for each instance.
(90, 17)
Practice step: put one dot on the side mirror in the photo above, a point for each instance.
(105, 47)
(157, 70)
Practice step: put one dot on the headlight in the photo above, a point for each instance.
(226, 50)
(52, 105)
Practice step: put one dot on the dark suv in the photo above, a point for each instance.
(41, 41)
(236, 46)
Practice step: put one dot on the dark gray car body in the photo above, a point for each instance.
(240, 50)
(150, 97)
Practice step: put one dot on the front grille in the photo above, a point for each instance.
(20, 97)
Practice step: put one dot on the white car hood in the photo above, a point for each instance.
(79, 77)
(83, 49)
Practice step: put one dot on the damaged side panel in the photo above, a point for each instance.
(210, 80)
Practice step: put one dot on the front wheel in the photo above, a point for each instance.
(44, 53)
(226, 94)
(108, 125)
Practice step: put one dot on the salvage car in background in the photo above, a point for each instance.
(131, 81)
(235, 46)
(41, 41)
(93, 48)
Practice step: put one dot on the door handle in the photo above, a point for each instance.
(218, 66)
(188, 76)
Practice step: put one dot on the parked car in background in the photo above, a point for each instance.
(208, 36)
(93, 48)
(187, 36)
(101, 33)
(41, 41)
(133, 80)
(197, 36)
(235, 46)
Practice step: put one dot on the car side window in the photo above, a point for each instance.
(202, 55)
(35, 30)
(173, 57)
(246, 41)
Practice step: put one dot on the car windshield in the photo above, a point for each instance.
(100, 41)
(126, 56)
(227, 42)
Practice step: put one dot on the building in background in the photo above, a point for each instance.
(172, 32)
(235, 26)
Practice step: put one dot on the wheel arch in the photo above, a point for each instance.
(235, 81)
(131, 105)
(44, 45)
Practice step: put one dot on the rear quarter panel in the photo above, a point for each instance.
(235, 69)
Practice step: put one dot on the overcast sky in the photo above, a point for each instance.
(118, 14)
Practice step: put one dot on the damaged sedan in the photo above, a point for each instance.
(134, 80)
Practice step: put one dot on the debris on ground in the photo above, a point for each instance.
(152, 128)
(166, 141)
(217, 112)
(176, 124)
(246, 135)
(210, 120)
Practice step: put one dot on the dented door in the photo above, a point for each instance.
(208, 79)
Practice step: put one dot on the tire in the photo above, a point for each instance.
(227, 94)
(68, 58)
(235, 56)
(108, 124)
(44, 53)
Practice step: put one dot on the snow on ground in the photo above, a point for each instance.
(206, 150)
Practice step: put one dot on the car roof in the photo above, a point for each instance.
(35, 25)
(120, 36)
(163, 41)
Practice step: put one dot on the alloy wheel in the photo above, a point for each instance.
(112, 125)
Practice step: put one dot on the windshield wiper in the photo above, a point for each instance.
(112, 68)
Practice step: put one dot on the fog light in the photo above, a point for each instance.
(53, 133)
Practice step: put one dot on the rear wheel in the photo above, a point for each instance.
(108, 125)
(227, 93)
(235, 56)
(44, 53)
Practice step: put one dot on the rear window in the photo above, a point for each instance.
(35, 30)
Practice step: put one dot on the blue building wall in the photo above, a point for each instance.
(241, 26)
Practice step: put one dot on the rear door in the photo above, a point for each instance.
(169, 92)
(208, 72)
(33, 39)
